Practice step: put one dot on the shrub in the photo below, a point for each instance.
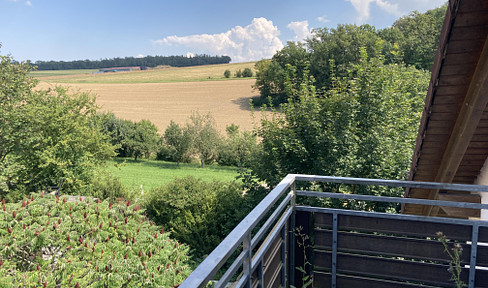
(239, 73)
(227, 74)
(238, 148)
(50, 242)
(247, 72)
(108, 186)
(197, 213)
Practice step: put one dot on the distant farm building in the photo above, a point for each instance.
(119, 69)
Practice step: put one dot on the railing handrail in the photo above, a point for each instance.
(215, 260)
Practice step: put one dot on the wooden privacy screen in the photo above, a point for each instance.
(378, 252)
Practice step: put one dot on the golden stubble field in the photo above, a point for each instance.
(227, 101)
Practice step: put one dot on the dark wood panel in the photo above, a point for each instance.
(371, 244)
(468, 33)
(448, 108)
(394, 226)
(323, 280)
(449, 70)
(464, 46)
(272, 250)
(461, 58)
(449, 99)
(272, 267)
(454, 90)
(483, 234)
(387, 268)
(441, 124)
(473, 6)
(482, 256)
(454, 80)
(476, 18)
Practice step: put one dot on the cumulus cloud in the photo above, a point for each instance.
(258, 40)
(394, 7)
(190, 55)
(302, 32)
(140, 56)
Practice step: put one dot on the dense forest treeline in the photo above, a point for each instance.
(148, 61)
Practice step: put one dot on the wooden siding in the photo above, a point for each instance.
(458, 57)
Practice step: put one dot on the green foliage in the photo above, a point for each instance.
(197, 213)
(46, 135)
(239, 73)
(454, 253)
(417, 36)
(109, 187)
(205, 137)
(330, 52)
(49, 242)
(143, 139)
(364, 127)
(132, 139)
(237, 149)
(247, 72)
(180, 140)
(227, 73)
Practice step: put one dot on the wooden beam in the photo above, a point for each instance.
(471, 111)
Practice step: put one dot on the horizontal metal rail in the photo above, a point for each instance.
(211, 265)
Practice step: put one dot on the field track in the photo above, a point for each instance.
(227, 101)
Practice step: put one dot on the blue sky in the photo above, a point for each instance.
(244, 30)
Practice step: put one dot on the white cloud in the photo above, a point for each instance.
(140, 56)
(394, 7)
(258, 40)
(302, 32)
(28, 3)
(323, 19)
(362, 8)
(190, 55)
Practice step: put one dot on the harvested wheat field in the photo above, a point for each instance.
(227, 101)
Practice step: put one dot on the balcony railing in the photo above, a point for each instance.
(346, 248)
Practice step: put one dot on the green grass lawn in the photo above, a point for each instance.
(152, 174)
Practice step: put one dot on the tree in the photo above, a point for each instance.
(142, 139)
(46, 135)
(205, 137)
(180, 139)
(417, 36)
(227, 73)
(237, 149)
(365, 126)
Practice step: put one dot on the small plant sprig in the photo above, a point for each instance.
(302, 239)
(455, 254)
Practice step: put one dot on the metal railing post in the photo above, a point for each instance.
(472, 258)
(334, 251)
(293, 203)
(246, 266)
